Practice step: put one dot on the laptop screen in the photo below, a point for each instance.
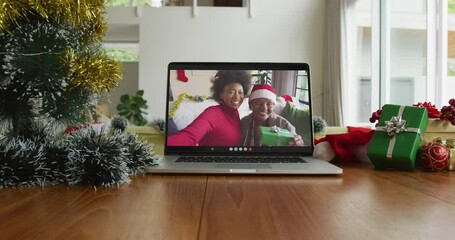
(232, 108)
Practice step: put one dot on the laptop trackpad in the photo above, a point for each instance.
(243, 166)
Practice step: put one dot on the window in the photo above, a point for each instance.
(131, 3)
(400, 55)
(160, 3)
(124, 52)
(360, 91)
(450, 83)
(301, 90)
(406, 79)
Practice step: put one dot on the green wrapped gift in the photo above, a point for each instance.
(275, 136)
(397, 138)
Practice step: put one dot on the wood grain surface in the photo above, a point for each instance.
(151, 207)
(363, 203)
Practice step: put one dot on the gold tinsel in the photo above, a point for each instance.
(180, 98)
(96, 73)
(86, 15)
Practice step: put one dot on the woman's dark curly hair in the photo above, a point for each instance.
(225, 77)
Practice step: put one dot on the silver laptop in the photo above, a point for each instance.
(206, 134)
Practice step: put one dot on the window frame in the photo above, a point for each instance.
(304, 75)
(436, 56)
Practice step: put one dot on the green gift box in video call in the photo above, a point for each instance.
(397, 138)
(275, 136)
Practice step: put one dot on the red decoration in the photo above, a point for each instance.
(344, 144)
(70, 129)
(181, 76)
(287, 98)
(375, 116)
(433, 112)
(448, 112)
(435, 156)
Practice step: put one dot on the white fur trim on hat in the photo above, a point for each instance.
(263, 91)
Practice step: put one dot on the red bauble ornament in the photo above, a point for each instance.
(435, 156)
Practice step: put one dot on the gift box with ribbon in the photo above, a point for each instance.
(397, 137)
(451, 165)
(438, 128)
(275, 136)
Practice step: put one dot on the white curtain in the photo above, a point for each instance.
(284, 82)
(335, 63)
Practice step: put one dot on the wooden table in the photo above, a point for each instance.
(363, 203)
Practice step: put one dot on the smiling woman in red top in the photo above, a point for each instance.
(218, 125)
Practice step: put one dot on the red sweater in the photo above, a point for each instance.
(215, 126)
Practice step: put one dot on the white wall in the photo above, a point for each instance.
(128, 85)
(200, 83)
(279, 31)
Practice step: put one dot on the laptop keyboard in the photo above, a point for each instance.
(242, 159)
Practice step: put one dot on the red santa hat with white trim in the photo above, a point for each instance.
(263, 91)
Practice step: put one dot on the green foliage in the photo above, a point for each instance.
(36, 76)
(131, 108)
(38, 130)
(34, 82)
(262, 77)
(451, 72)
(76, 107)
(451, 6)
(122, 54)
(128, 3)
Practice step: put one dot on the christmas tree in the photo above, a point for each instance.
(53, 71)
(52, 63)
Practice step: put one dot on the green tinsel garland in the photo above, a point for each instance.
(97, 160)
(119, 123)
(140, 155)
(28, 162)
(319, 124)
(84, 157)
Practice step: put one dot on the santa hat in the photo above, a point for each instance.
(263, 91)
(345, 147)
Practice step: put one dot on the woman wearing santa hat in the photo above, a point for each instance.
(262, 100)
(229, 88)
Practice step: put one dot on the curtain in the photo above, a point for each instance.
(332, 104)
(284, 82)
(335, 67)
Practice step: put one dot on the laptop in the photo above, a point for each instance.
(222, 150)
